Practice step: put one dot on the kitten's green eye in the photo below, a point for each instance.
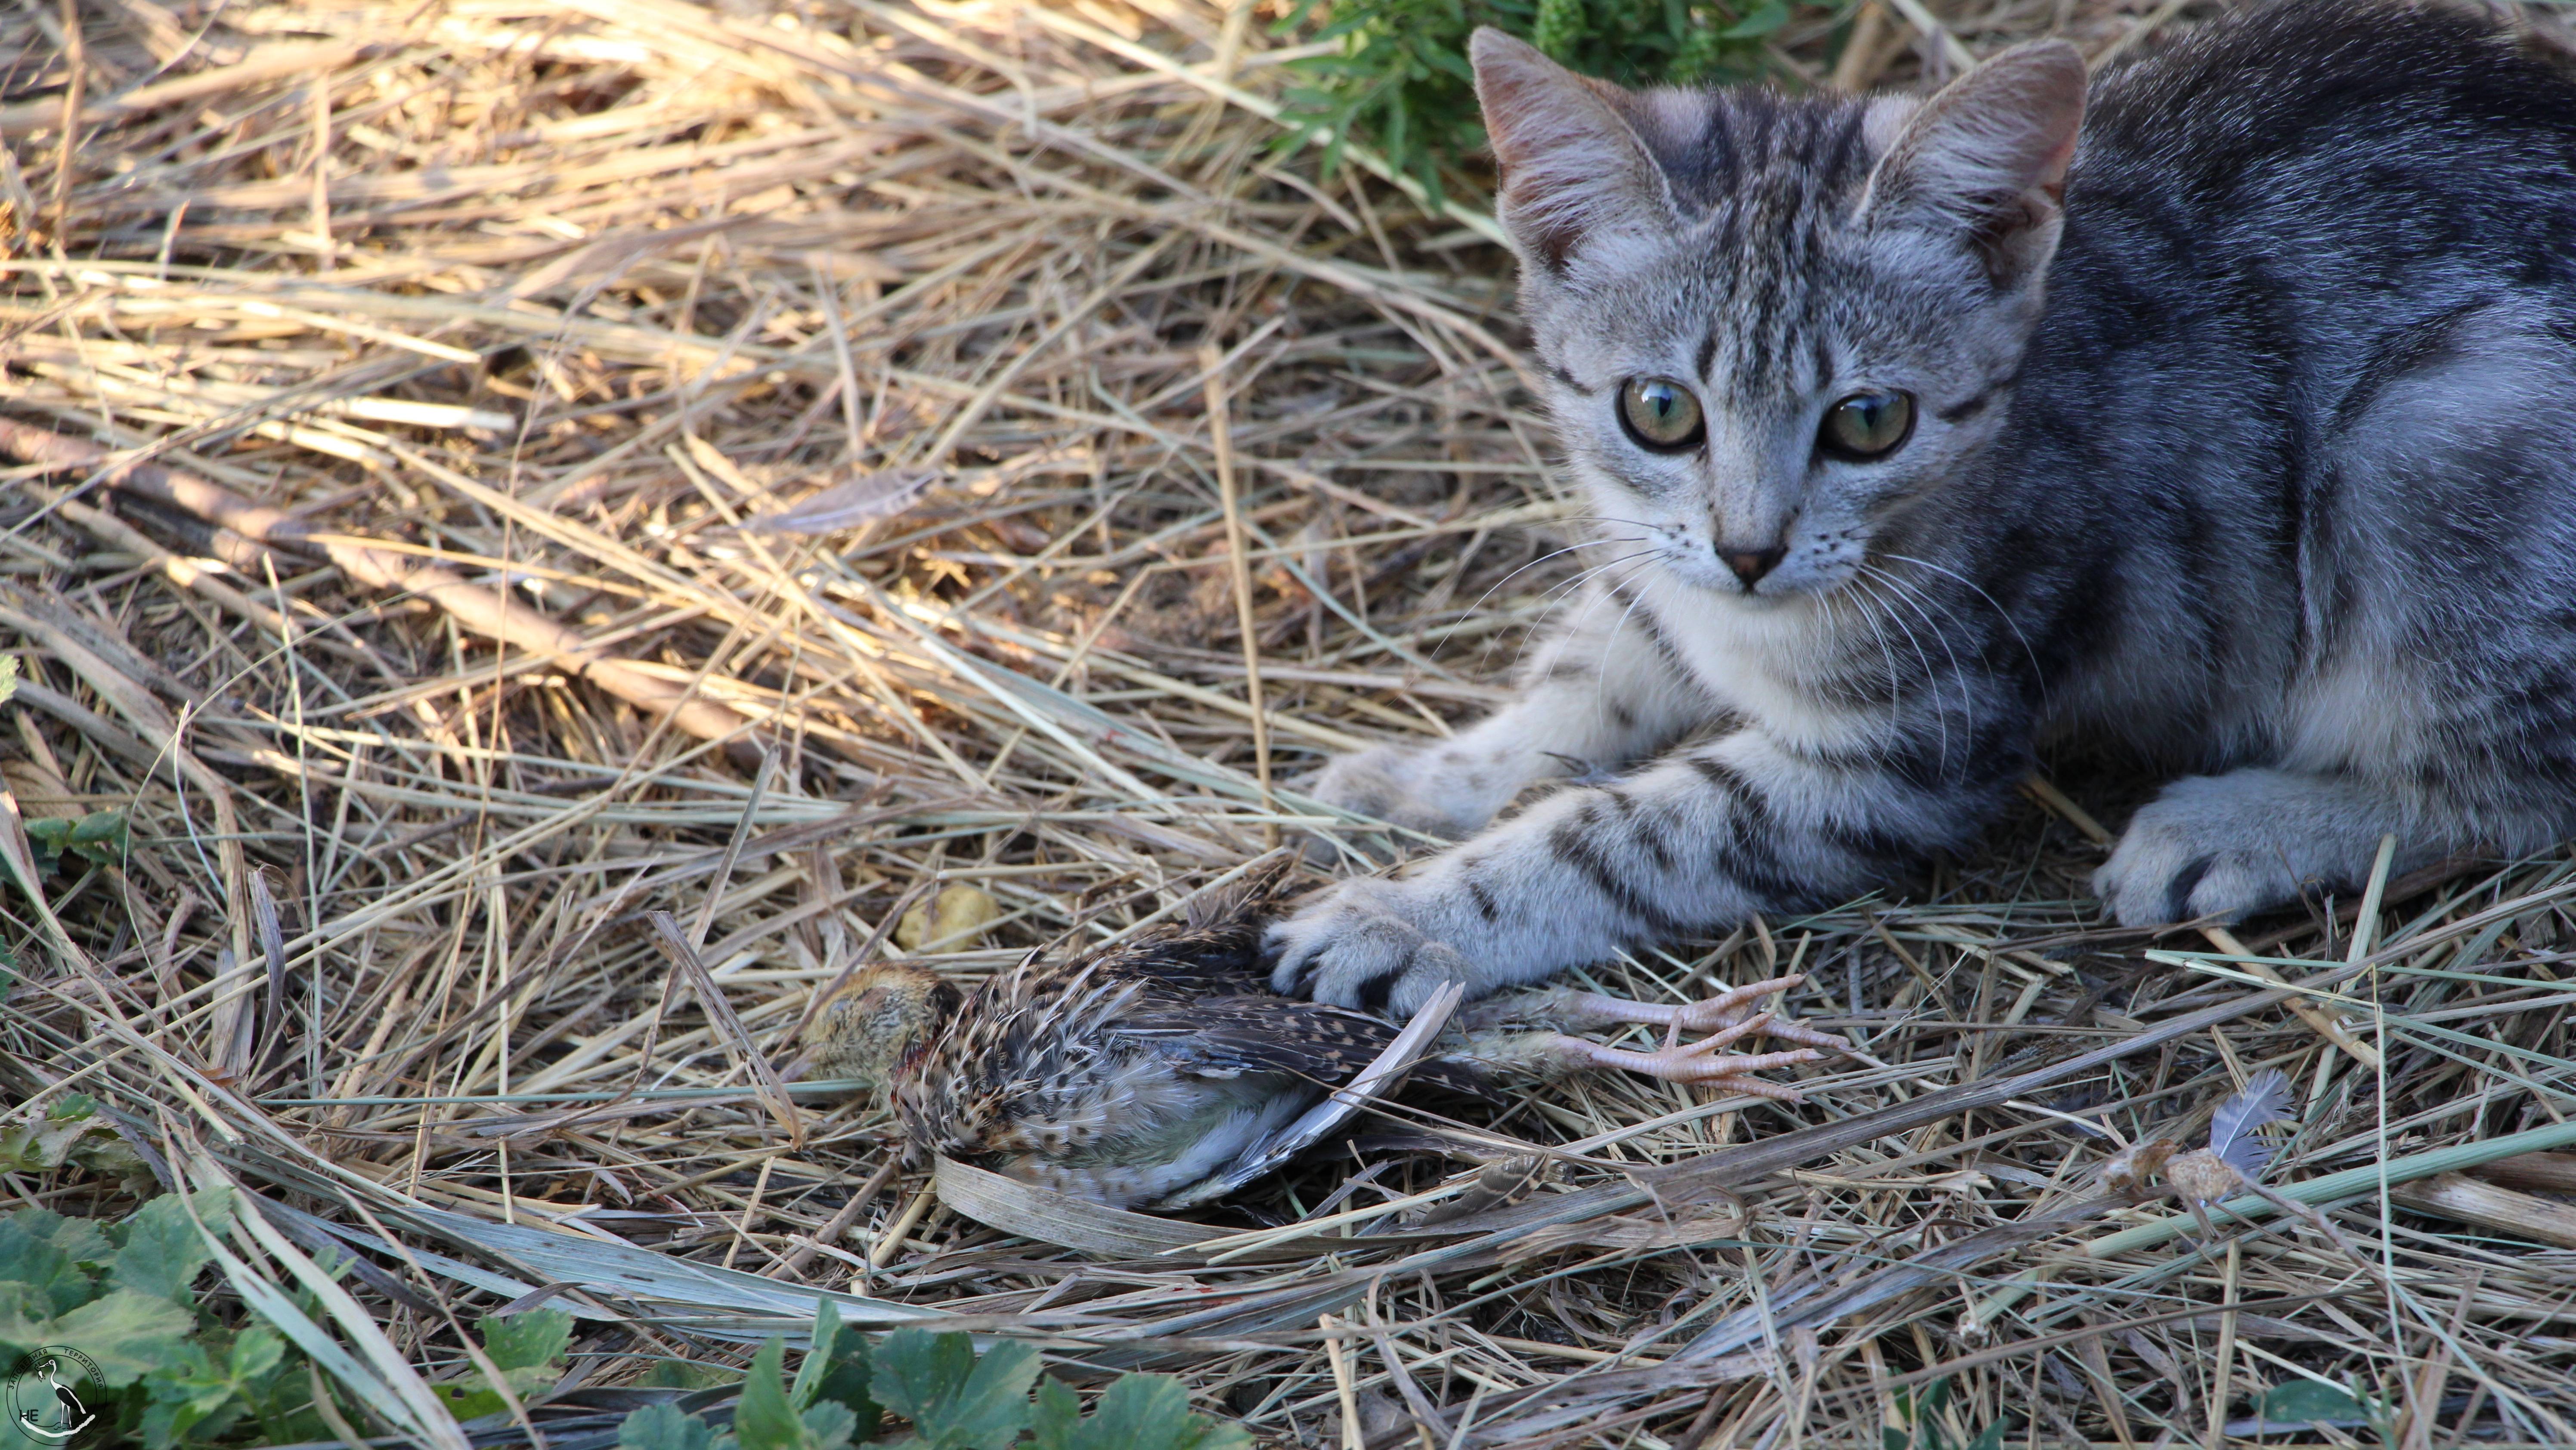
(1868, 425)
(1660, 414)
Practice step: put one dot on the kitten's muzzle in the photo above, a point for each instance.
(1750, 565)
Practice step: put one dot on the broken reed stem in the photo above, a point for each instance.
(904, 1223)
(1221, 440)
(2319, 1018)
(1337, 1351)
(322, 171)
(2223, 1367)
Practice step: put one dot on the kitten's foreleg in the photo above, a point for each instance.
(1702, 839)
(1597, 696)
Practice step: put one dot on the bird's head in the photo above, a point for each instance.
(878, 1020)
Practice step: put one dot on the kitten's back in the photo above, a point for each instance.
(2365, 124)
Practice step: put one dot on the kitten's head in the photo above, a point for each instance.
(1774, 323)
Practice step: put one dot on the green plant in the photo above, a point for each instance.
(2306, 1403)
(527, 1348)
(99, 838)
(1922, 1412)
(71, 1132)
(1398, 77)
(167, 1373)
(951, 1397)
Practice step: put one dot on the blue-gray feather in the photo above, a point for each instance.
(2232, 1127)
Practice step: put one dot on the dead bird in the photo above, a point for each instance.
(1131, 1073)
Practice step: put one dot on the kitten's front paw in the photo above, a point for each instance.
(2201, 849)
(1365, 944)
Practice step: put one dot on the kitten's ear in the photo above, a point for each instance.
(1985, 160)
(1571, 164)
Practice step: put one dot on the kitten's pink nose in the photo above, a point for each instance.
(1751, 565)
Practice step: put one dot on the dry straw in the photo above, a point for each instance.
(514, 497)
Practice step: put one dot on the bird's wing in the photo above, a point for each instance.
(2266, 1099)
(1215, 950)
(1222, 959)
(1257, 1032)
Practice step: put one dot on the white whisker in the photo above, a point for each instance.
(2005, 614)
(1940, 715)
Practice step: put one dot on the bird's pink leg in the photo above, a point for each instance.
(1700, 1062)
(1727, 1009)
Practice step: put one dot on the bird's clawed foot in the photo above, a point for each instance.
(1728, 1018)
(1563, 1007)
(1699, 1062)
(1726, 1010)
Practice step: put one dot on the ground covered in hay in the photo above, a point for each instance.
(384, 393)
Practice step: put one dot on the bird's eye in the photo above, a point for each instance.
(1867, 425)
(1660, 414)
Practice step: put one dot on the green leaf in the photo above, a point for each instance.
(843, 1378)
(767, 1419)
(256, 1351)
(1767, 17)
(78, 1137)
(529, 1339)
(1562, 26)
(954, 1400)
(31, 1255)
(45, 837)
(818, 1358)
(196, 1401)
(126, 1334)
(183, 1395)
(1059, 1411)
(1139, 1412)
(99, 837)
(668, 1427)
(828, 1426)
(161, 1251)
(473, 1395)
(1989, 1438)
(79, 1237)
(527, 1348)
(2302, 1401)
(681, 1374)
(764, 1420)
(1927, 1415)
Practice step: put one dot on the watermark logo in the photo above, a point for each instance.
(42, 1396)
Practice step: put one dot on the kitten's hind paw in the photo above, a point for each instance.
(1356, 946)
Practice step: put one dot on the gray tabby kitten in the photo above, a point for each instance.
(2238, 427)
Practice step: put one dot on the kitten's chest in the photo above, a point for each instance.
(1783, 668)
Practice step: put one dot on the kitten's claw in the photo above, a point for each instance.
(1357, 946)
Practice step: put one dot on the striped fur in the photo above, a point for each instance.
(2241, 441)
